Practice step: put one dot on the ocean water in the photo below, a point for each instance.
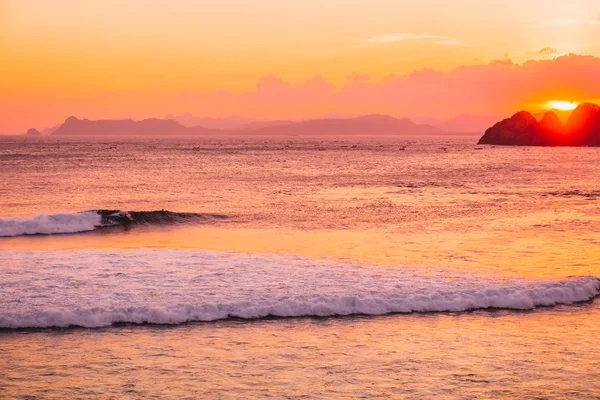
(298, 267)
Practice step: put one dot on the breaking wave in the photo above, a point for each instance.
(49, 224)
(102, 288)
(511, 298)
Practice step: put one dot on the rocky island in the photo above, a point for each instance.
(153, 126)
(33, 132)
(522, 129)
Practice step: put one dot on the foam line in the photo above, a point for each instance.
(96, 288)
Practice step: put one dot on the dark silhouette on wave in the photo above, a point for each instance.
(88, 221)
(162, 217)
(522, 129)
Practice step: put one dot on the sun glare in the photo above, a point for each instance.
(561, 105)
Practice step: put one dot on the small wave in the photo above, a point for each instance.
(575, 193)
(102, 288)
(49, 224)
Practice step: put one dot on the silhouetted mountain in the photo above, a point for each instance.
(226, 123)
(189, 120)
(264, 124)
(419, 119)
(563, 115)
(583, 126)
(51, 130)
(522, 129)
(365, 125)
(551, 124)
(33, 132)
(74, 126)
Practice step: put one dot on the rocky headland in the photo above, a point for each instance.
(523, 129)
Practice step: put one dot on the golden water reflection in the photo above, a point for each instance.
(474, 355)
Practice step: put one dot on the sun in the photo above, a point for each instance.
(561, 105)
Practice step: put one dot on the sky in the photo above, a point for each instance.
(287, 59)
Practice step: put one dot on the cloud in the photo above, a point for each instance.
(403, 37)
(496, 88)
(570, 22)
(499, 87)
(547, 51)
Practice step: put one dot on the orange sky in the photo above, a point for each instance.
(118, 58)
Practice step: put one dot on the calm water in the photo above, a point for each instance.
(402, 267)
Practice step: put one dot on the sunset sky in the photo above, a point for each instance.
(291, 59)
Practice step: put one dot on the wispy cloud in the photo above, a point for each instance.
(397, 37)
(456, 43)
(570, 22)
(403, 37)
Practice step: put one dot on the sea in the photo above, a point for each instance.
(373, 267)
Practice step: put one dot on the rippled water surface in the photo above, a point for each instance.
(489, 255)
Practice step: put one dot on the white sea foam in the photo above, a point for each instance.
(50, 224)
(99, 288)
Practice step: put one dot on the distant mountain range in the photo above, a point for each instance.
(189, 120)
(464, 123)
(237, 122)
(365, 125)
(188, 124)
